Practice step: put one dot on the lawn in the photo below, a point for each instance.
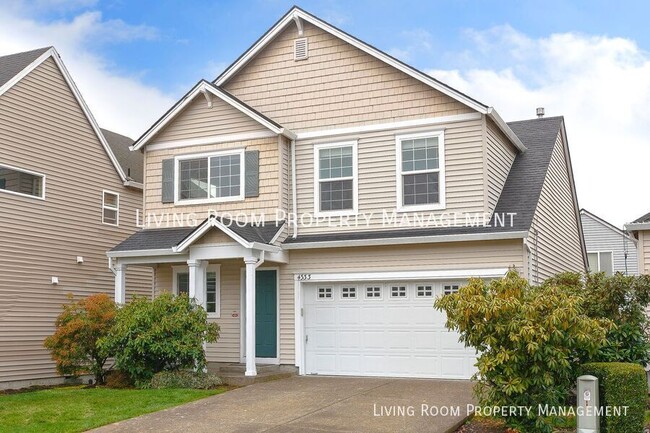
(76, 409)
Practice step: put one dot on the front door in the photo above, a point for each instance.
(266, 314)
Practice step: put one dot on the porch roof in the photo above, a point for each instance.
(168, 238)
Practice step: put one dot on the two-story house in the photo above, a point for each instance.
(640, 230)
(609, 249)
(380, 188)
(65, 198)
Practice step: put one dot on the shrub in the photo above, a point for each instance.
(185, 379)
(74, 344)
(165, 334)
(621, 384)
(623, 300)
(118, 379)
(528, 340)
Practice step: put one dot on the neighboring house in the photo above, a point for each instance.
(313, 126)
(640, 230)
(609, 249)
(64, 201)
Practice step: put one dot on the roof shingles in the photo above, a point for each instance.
(12, 64)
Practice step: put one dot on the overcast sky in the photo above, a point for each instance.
(588, 61)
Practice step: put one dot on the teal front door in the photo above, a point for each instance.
(266, 314)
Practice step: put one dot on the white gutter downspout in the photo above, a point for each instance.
(294, 194)
(261, 260)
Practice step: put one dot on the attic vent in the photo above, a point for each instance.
(300, 49)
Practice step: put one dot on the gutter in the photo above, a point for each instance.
(294, 189)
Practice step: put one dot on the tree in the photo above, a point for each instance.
(74, 344)
(527, 339)
(621, 299)
(165, 334)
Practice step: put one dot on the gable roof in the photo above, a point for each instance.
(604, 223)
(179, 238)
(132, 162)
(296, 14)
(520, 194)
(15, 67)
(209, 89)
(644, 219)
(12, 64)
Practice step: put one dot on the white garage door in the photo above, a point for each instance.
(388, 329)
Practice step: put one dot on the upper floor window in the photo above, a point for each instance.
(335, 186)
(22, 182)
(601, 261)
(111, 208)
(420, 171)
(210, 177)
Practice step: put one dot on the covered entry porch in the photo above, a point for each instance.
(232, 272)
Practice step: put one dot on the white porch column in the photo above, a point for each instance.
(197, 281)
(120, 283)
(250, 316)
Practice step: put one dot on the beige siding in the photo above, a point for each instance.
(43, 129)
(644, 251)
(339, 85)
(465, 188)
(447, 256)
(267, 202)
(555, 236)
(198, 120)
(500, 154)
(227, 348)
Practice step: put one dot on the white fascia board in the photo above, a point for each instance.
(453, 274)
(133, 184)
(77, 94)
(140, 253)
(212, 222)
(295, 12)
(632, 227)
(406, 240)
(202, 87)
(265, 247)
(213, 139)
(503, 126)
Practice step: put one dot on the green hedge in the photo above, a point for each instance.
(621, 384)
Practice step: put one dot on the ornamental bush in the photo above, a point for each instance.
(529, 340)
(74, 344)
(621, 384)
(185, 379)
(164, 334)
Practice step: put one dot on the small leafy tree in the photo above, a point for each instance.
(528, 340)
(74, 344)
(621, 299)
(166, 334)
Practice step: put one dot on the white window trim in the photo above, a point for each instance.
(216, 268)
(355, 179)
(450, 283)
(406, 290)
(349, 286)
(242, 176)
(325, 298)
(33, 173)
(415, 290)
(598, 253)
(116, 208)
(381, 292)
(401, 207)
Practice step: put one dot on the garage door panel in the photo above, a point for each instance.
(381, 336)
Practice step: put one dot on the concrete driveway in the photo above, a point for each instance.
(317, 404)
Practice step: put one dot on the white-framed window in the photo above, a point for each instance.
(324, 293)
(110, 208)
(397, 291)
(22, 182)
(348, 292)
(424, 291)
(449, 289)
(420, 171)
(601, 261)
(373, 292)
(335, 178)
(181, 285)
(210, 177)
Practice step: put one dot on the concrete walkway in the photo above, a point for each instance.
(317, 404)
